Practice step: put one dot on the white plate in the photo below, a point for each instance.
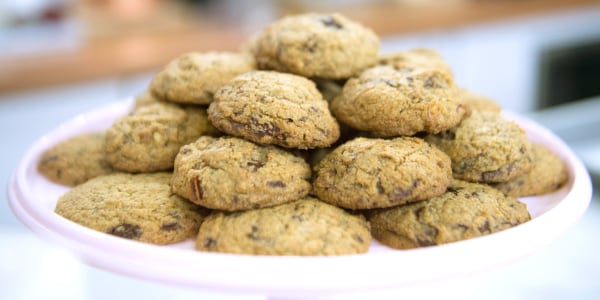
(32, 199)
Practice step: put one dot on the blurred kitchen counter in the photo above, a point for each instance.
(96, 57)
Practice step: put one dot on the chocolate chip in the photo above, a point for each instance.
(485, 228)
(197, 191)
(209, 242)
(400, 194)
(253, 235)
(254, 165)
(380, 189)
(331, 22)
(298, 217)
(277, 183)
(126, 230)
(358, 238)
(170, 226)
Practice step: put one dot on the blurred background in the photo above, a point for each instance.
(59, 58)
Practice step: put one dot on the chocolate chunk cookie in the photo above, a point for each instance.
(75, 160)
(139, 207)
(229, 173)
(316, 45)
(148, 139)
(392, 102)
(466, 210)
(485, 147)
(195, 77)
(548, 174)
(269, 107)
(303, 227)
(371, 173)
(415, 59)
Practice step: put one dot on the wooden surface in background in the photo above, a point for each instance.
(145, 52)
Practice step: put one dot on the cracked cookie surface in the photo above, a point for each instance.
(466, 210)
(195, 77)
(485, 147)
(133, 206)
(269, 107)
(369, 173)
(147, 139)
(304, 227)
(392, 102)
(229, 173)
(316, 45)
(75, 160)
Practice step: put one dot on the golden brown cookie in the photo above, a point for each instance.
(148, 139)
(415, 59)
(75, 160)
(303, 227)
(392, 102)
(465, 211)
(194, 77)
(485, 147)
(316, 45)
(229, 173)
(269, 107)
(548, 174)
(370, 173)
(477, 102)
(140, 207)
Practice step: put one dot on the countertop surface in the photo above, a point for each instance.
(88, 58)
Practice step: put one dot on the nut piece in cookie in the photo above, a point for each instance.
(548, 174)
(372, 173)
(229, 173)
(133, 206)
(466, 210)
(304, 227)
(269, 107)
(194, 77)
(392, 102)
(75, 160)
(148, 139)
(316, 45)
(485, 147)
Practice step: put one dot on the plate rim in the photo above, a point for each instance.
(226, 272)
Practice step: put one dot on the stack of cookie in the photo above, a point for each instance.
(306, 142)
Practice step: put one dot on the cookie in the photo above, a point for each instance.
(148, 139)
(477, 102)
(303, 227)
(373, 173)
(194, 77)
(230, 174)
(548, 174)
(392, 102)
(316, 45)
(415, 59)
(485, 147)
(465, 211)
(139, 207)
(75, 160)
(269, 107)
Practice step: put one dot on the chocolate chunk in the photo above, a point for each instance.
(126, 230)
(331, 22)
(254, 165)
(209, 242)
(485, 228)
(170, 226)
(277, 183)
